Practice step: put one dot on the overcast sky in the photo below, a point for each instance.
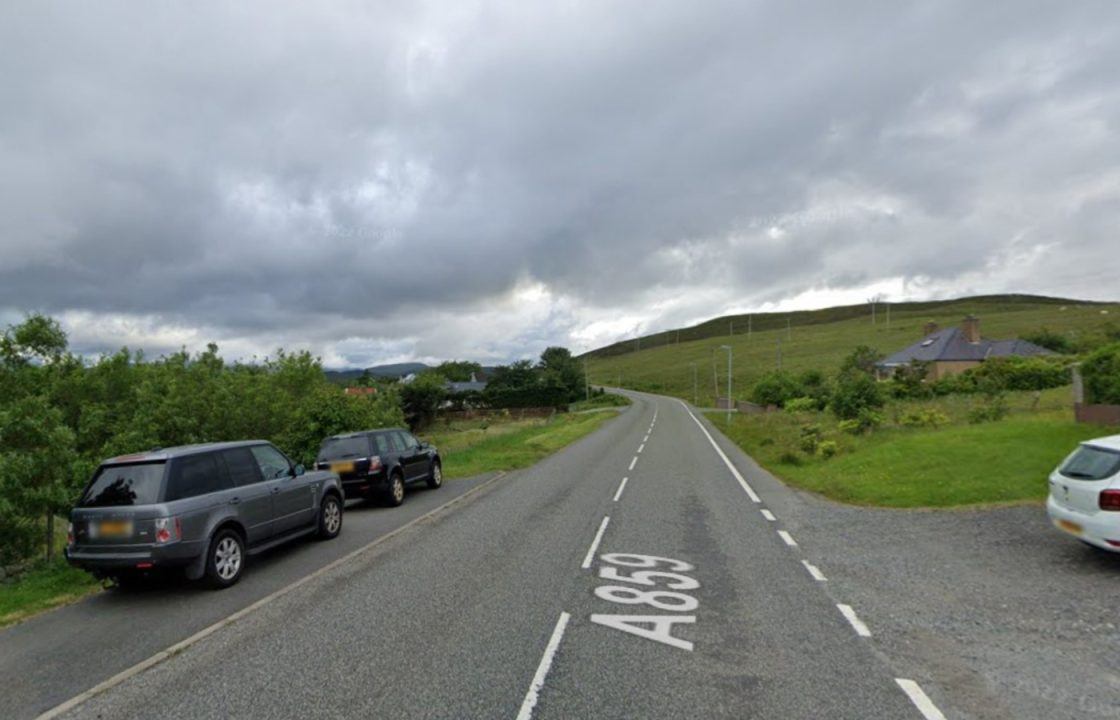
(380, 182)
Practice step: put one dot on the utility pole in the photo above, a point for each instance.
(728, 349)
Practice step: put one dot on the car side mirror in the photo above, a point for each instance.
(300, 470)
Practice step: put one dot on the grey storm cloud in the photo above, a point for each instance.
(382, 181)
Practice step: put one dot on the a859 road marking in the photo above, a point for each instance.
(648, 571)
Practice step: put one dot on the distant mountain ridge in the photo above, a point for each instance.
(392, 370)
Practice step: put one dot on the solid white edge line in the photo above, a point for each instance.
(621, 485)
(850, 615)
(641, 448)
(787, 538)
(595, 543)
(814, 571)
(545, 665)
(734, 471)
(633, 462)
(182, 645)
(918, 696)
(768, 515)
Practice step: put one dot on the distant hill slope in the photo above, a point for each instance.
(818, 339)
(394, 370)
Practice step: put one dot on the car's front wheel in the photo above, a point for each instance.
(330, 518)
(394, 495)
(226, 559)
(435, 477)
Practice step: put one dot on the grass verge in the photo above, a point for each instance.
(45, 586)
(477, 447)
(899, 466)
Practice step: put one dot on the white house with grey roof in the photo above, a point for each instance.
(956, 349)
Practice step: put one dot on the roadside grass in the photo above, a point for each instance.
(474, 448)
(813, 342)
(603, 401)
(43, 587)
(956, 464)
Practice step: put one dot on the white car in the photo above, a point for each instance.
(1085, 493)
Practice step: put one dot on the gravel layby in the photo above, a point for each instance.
(996, 611)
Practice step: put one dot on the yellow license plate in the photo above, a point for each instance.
(115, 528)
(1070, 527)
(343, 467)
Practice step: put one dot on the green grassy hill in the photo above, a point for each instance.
(819, 339)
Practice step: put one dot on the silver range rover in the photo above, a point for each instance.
(202, 508)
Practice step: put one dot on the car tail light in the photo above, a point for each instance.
(168, 530)
(1110, 500)
(69, 534)
(1113, 543)
(375, 465)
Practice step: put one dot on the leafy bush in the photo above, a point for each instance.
(925, 417)
(854, 393)
(1101, 374)
(852, 427)
(801, 404)
(995, 409)
(789, 457)
(909, 381)
(828, 448)
(1021, 373)
(775, 388)
(1050, 340)
(861, 360)
(810, 438)
(815, 385)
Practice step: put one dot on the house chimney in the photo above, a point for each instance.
(971, 329)
(929, 329)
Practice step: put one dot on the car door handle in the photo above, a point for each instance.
(234, 501)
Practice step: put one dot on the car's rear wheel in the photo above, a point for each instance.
(394, 494)
(330, 518)
(435, 477)
(226, 559)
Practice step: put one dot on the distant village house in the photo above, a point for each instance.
(956, 349)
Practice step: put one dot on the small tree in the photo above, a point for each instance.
(1101, 372)
(36, 463)
(862, 359)
(421, 398)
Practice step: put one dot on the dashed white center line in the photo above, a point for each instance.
(545, 665)
(920, 699)
(641, 447)
(787, 538)
(633, 462)
(814, 571)
(853, 619)
(768, 515)
(734, 471)
(595, 543)
(621, 485)
(646, 438)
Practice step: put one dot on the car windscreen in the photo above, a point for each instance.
(344, 447)
(116, 485)
(1091, 463)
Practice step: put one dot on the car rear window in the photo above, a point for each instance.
(345, 447)
(116, 485)
(1091, 463)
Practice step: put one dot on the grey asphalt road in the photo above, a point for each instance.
(53, 657)
(521, 600)
(453, 618)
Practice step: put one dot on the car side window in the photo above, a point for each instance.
(383, 447)
(406, 440)
(242, 465)
(194, 475)
(272, 462)
(394, 441)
